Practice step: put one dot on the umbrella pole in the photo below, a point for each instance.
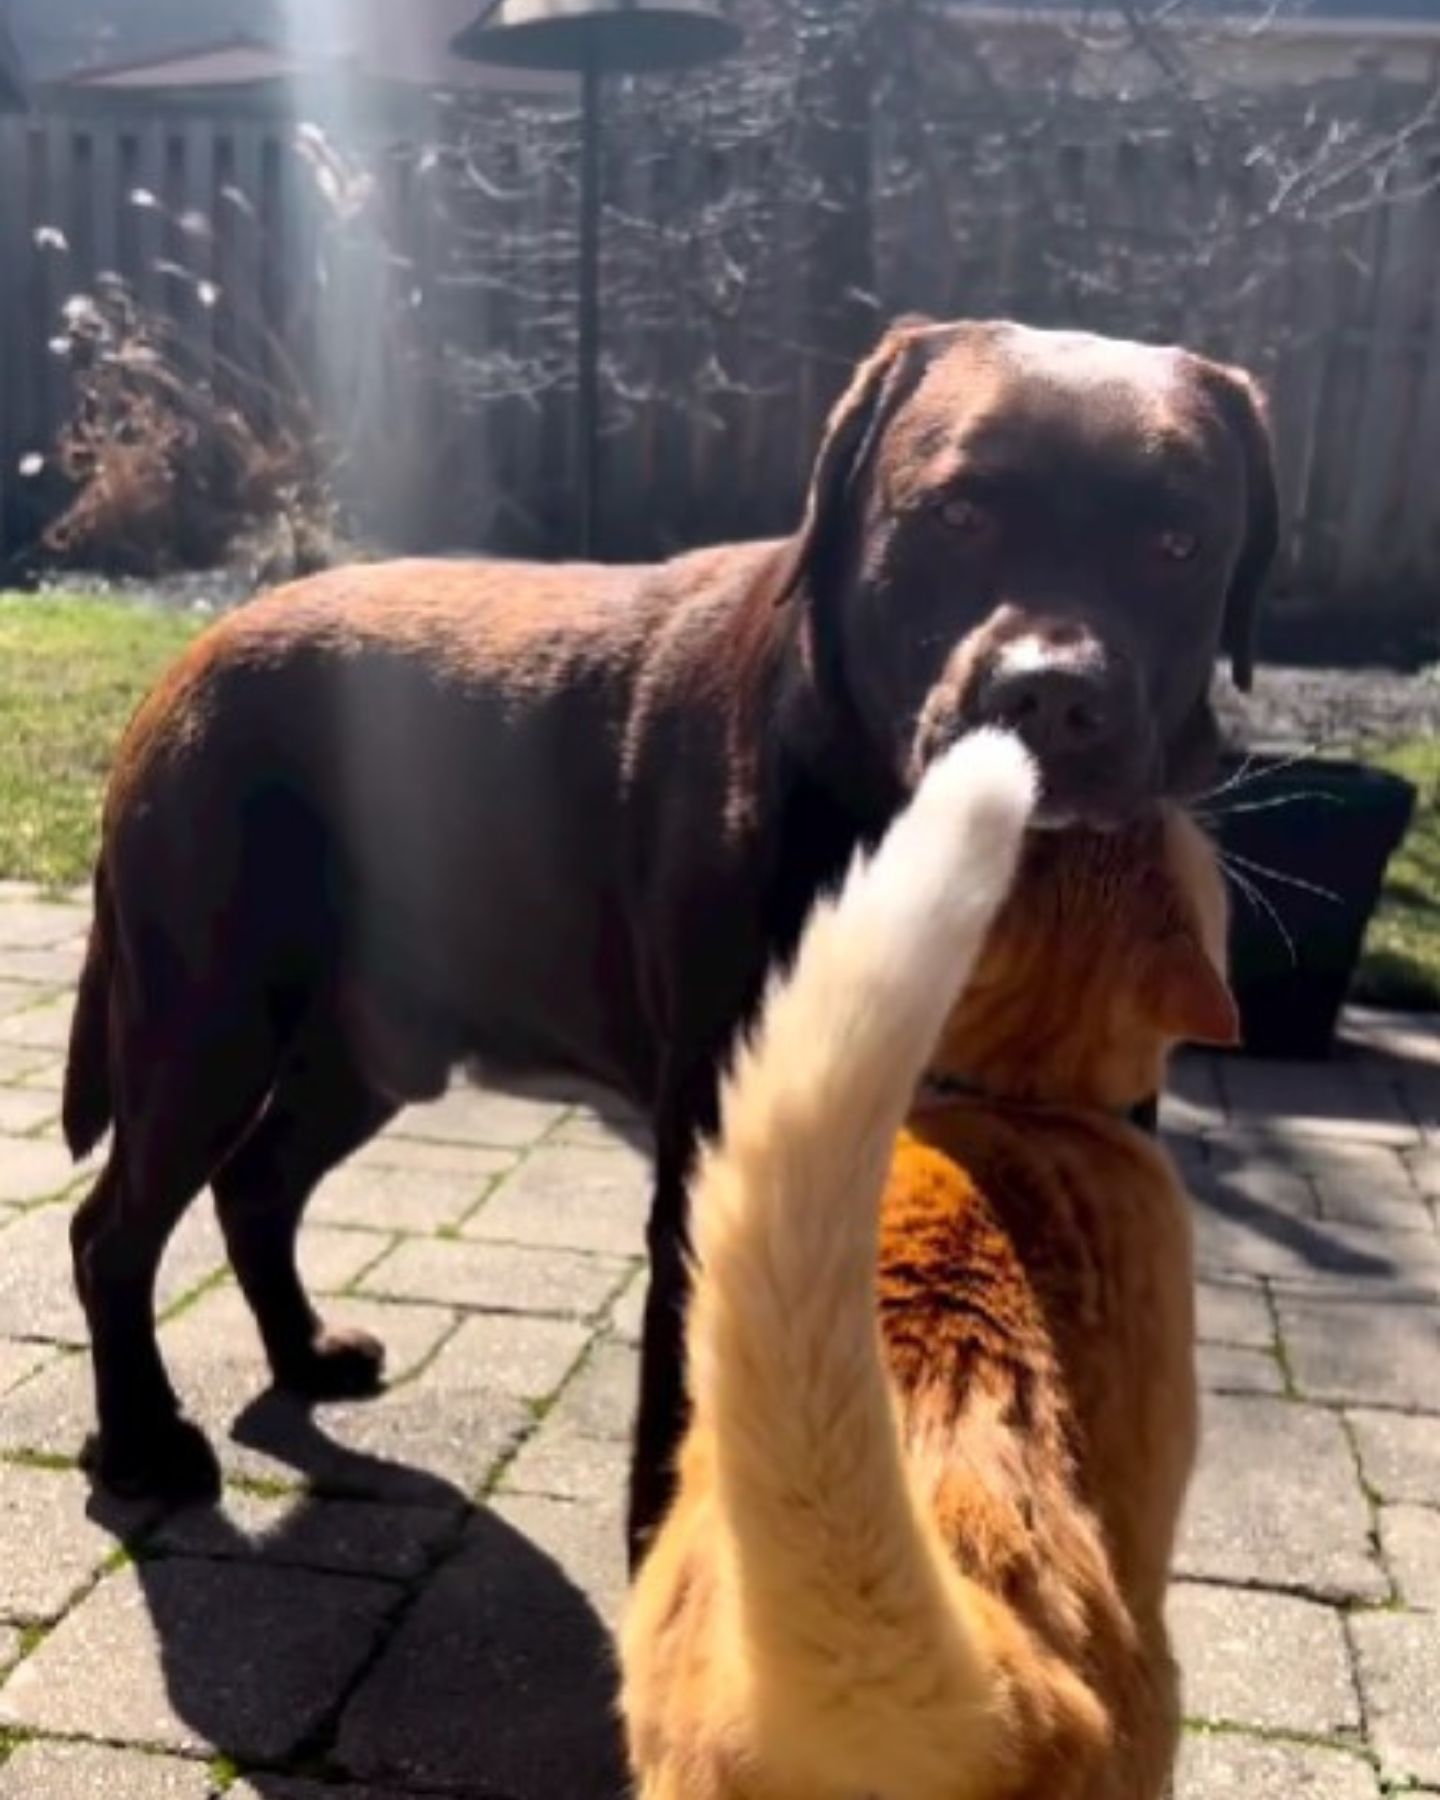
(589, 306)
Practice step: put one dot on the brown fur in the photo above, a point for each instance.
(401, 818)
(1035, 1305)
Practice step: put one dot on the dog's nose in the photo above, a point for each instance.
(1057, 711)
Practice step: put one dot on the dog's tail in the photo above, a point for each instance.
(873, 1661)
(88, 1105)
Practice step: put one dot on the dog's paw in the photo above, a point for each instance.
(169, 1460)
(338, 1365)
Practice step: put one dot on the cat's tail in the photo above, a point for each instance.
(869, 1655)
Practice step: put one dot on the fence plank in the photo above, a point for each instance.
(458, 411)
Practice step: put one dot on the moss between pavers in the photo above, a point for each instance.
(1290, 1388)
(385, 1243)
(540, 1408)
(224, 1771)
(192, 1296)
(264, 1489)
(1344, 1742)
(38, 1459)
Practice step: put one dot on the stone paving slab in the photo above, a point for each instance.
(1276, 1502)
(37, 1295)
(562, 1463)
(475, 1116)
(251, 1658)
(1399, 1663)
(627, 1316)
(500, 1277)
(1365, 1183)
(525, 1358)
(1232, 1369)
(48, 967)
(1345, 1348)
(469, 1167)
(503, 1666)
(55, 1771)
(1423, 1098)
(35, 1168)
(23, 1111)
(1424, 1167)
(1234, 1234)
(1352, 1100)
(425, 1199)
(1410, 1543)
(16, 996)
(17, 1063)
(47, 1075)
(43, 1026)
(1399, 1453)
(569, 1197)
(597, 1403)
(342, 1537)
(1360, 1183)
(413, 1595)
(1217, 1766)
(19, 1359)
(32, 924)
(1193, 1101)
(1234, 1311)
(1268, 1661)
(50, 1545)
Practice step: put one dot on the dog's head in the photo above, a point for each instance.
(1045, 530)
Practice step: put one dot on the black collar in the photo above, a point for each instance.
(1144, 1115)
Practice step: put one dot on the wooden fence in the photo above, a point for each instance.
(431, 321)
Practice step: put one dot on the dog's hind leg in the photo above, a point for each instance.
(321, 1110)
(176, 1117)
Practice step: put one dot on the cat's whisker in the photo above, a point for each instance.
(1262, 904)
(1247, 774)
(1294, 881)
(1236, 779)
(1254, 806)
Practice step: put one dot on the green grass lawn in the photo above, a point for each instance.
(1402, 951)
(73, 669)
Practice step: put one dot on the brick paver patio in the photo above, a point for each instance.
(411, 1596)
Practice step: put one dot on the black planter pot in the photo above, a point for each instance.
(1334, 826)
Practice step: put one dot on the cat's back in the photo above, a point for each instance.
(1035, 1293)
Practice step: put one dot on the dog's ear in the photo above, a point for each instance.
(1242, 405)
(881, 383)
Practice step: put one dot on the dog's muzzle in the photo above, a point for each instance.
(1077, 707)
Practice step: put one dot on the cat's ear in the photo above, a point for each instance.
(1188, 996)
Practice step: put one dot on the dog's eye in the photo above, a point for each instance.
(1177, 546)
(968, 517)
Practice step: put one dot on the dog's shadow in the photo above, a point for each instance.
(420, 1645)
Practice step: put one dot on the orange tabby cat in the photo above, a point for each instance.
(920, 1553)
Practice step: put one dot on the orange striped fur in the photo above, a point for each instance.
(919, 1551)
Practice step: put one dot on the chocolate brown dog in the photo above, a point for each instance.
(398, 818)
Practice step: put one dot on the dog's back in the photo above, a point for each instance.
(925, 1562)
(333, 792)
